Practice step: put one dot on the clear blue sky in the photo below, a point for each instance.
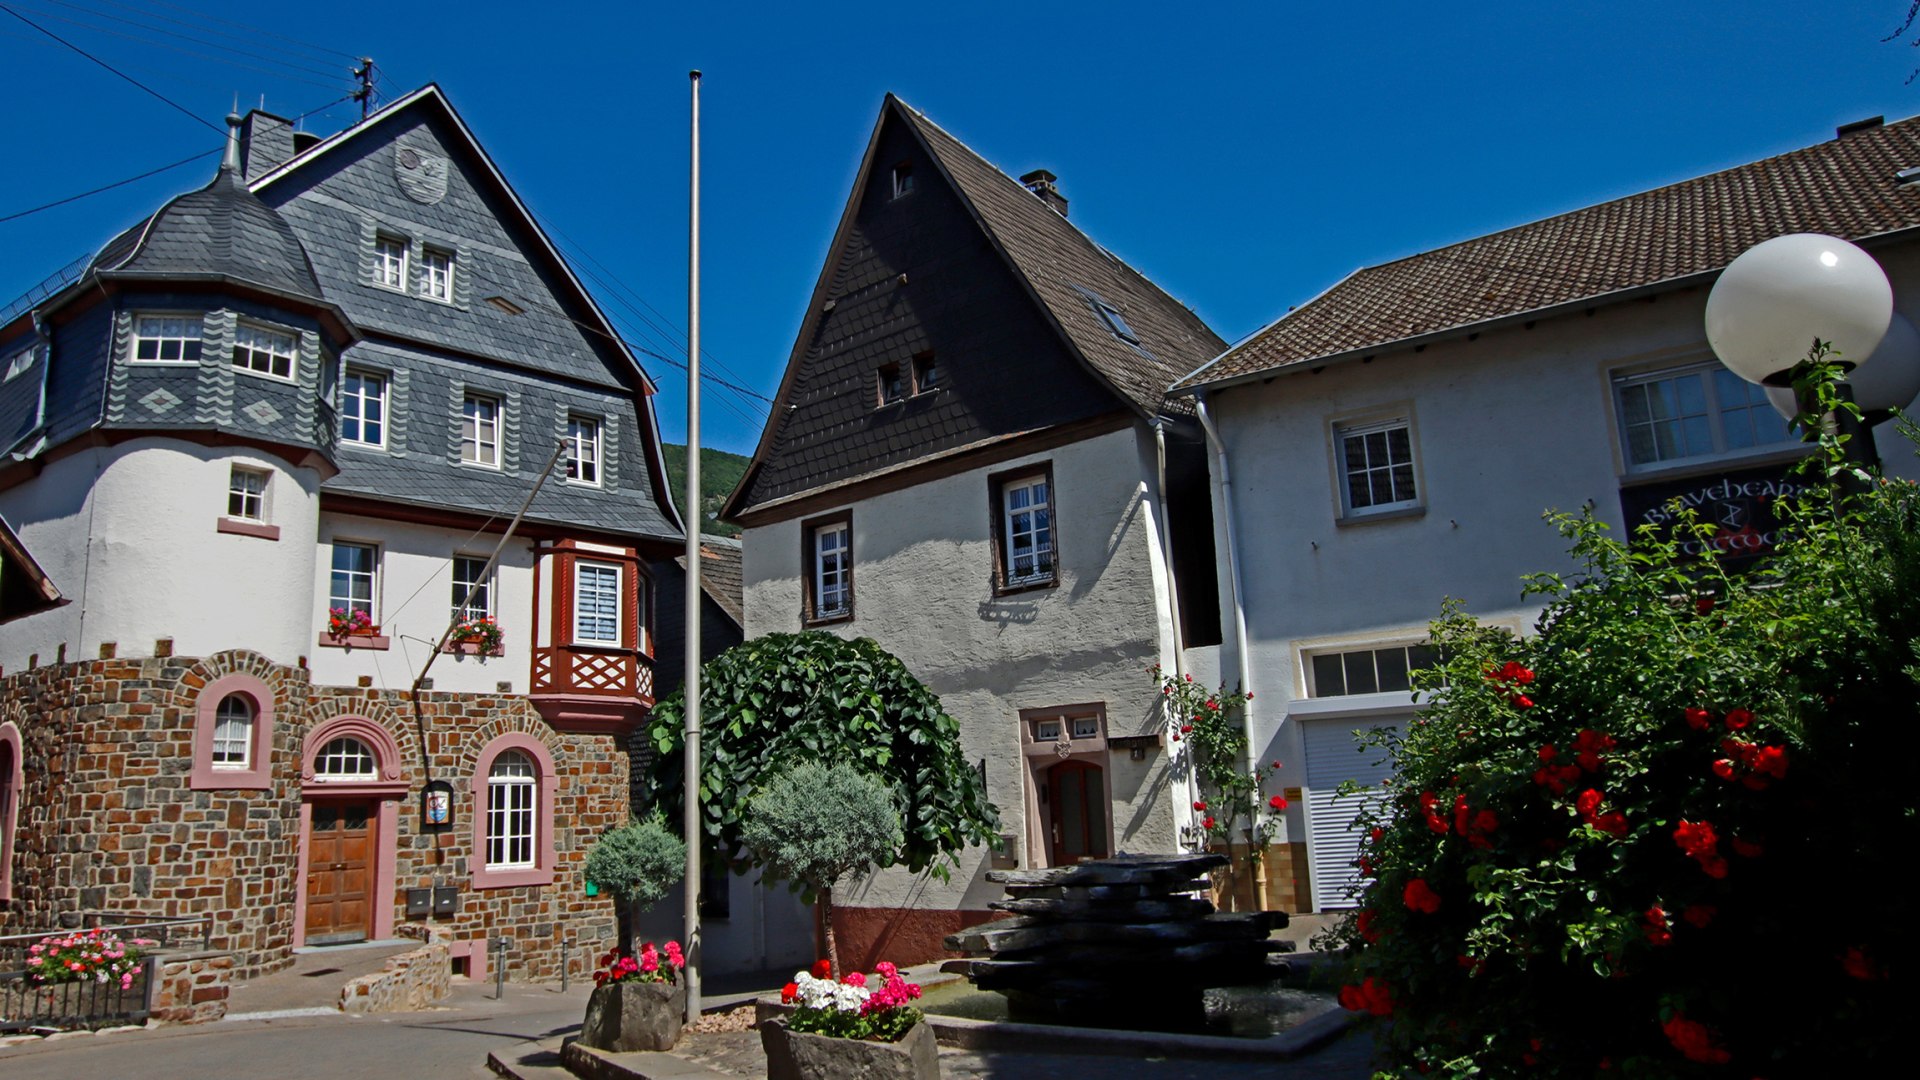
(1245, 156)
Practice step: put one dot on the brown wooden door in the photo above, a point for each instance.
(339, 873)
(1077, 805)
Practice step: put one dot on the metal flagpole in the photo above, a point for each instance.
(695, 516)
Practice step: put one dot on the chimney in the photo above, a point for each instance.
(1043, 183)
(266, 141)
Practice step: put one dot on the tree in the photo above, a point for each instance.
(1589, 847)
(815, 825)
(812, 696)
(636, 863)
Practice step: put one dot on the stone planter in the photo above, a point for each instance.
(794, 1055)
(630, 1016)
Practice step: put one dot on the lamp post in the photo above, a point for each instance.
(1781, 296)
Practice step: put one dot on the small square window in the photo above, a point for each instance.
(436, 276)
(1046, 731)
(1116, 322)
(166, 339)
(22, 362)
(828, 557)
(583, 450)
(390, 262)
(264, 351)
(480, 431)
(926, 373)
(891, 388)
(247, 494)
(363, 409)
(1376, 466)
(1086, 727)
(902, 179)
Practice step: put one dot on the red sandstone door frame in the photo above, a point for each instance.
(1050, 737)
(386, 791)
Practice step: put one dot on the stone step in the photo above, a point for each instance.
(603, 1065)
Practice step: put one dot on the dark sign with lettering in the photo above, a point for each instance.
(1739, 506)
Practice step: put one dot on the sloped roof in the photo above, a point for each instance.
(24, 586)
(1063, 266)
(721, 576)
(1846, 187)
(221, 230)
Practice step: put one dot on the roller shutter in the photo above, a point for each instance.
(1332, 843)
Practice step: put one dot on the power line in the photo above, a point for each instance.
(169, 101)
(281, 59)
(208, 57)
(253, 32)
(242, 26)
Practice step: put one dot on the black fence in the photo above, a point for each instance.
(76, 1005)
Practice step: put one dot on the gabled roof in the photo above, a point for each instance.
(1049, 264)
(24, 586)
(221, 230)
(1662, 238)
(721, 575)
(1068, 272)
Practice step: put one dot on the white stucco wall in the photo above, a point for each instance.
(413, 603)
(1506, 427)
(923, 564)
(128, 534)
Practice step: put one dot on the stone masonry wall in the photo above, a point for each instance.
(410, 982)
(194, 988)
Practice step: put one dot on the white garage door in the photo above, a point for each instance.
(1333, 844)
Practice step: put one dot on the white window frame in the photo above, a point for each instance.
(583, 569)
(1715, 379)
(390, 257)
(513, 807)
(255, 351)
(21, 362)
(247, 493)
(583, 450)
(191, 337)
(1344, 472)
(358, 414)
(232, 745)
(903, 179)
(436, 274)
(335, 599)
(1011, 530)
(1372, 650)
(480, 435)
(831, 569)
(329, 764)
(471, 564)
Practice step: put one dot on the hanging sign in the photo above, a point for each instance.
(436, 807)
(1739, 505)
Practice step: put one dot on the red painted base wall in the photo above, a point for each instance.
(904, 936)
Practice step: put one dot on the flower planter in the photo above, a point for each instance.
(628, 1016)
(796, 1055)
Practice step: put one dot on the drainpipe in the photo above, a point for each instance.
(1223, 479)
(1173, 588)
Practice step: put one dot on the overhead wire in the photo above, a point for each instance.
(282, 59)
(150, 90)
(252, 32)
(245, 26)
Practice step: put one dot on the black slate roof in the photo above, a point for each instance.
(221, 230)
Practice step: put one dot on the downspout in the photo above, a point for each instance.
(1223, 479)
(1173, 588)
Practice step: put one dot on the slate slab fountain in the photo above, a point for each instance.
(1114, 943)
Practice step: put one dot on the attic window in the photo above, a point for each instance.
(902, 178)
(891, 388)
(926, 373)
(1116, 322)
(506, 305)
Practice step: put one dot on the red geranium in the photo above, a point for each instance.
(823, 969)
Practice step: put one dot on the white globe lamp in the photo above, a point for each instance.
(1770, 304)
(1888, 380)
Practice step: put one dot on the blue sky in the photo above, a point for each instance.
(1245, 156)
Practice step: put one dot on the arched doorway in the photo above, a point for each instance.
(1077, 799)
(351, 796)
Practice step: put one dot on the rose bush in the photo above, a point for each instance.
(1656, 838)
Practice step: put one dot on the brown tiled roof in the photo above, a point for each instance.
(720, 575)
(1063, 265)
(1845, 187)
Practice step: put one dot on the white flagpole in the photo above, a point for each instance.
(695, 515)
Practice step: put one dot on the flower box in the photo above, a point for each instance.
(797, 1055)
(631, 1015)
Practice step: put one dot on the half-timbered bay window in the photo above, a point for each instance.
(592, 665)
(1024, 529)
(827, 556)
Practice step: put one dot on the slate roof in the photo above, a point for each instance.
(221, 230)
(1846, 187)
(1063, 265)
(720, 575)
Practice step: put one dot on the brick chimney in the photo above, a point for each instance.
(1044, 184)
(266, 141)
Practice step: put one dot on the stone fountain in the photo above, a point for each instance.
(1116, 943)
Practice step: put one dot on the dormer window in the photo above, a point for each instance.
(891, 388)
(390, 262)
(926, 373)
(436, 275)
(166, 339)
(1116, 322)
(902, 178)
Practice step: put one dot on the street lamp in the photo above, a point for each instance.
(1770, 305)
(1889, 380)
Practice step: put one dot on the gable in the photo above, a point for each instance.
(907, 276)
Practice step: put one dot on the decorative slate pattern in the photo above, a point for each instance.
(220, 229)
(1845, 187)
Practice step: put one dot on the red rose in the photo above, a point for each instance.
(1655, 923)
(1371, 996)
(1588, 803)
(1739, 718)
(1613, 824)
(1548, 753)
(1694, 1041)
(1376, 833)
(1200, 807)
(1698, 719)
(1521, 701)
(1723, 768)
(1588, 746)
(1275, 764)
(1699, 914)
(1207, 822)
(1857, 964)
(1771, 760)
(1186, 729)
(1363, 923)
(1277, 802)
(1419, 896)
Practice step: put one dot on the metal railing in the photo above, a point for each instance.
(194, 932)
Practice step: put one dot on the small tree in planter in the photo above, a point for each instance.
(636, 863)
(638, 1001)
(815, 825)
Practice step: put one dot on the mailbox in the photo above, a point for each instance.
(446, 899)
(418, 901)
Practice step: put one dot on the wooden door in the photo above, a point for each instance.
(1077, 801)
(339, 873)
